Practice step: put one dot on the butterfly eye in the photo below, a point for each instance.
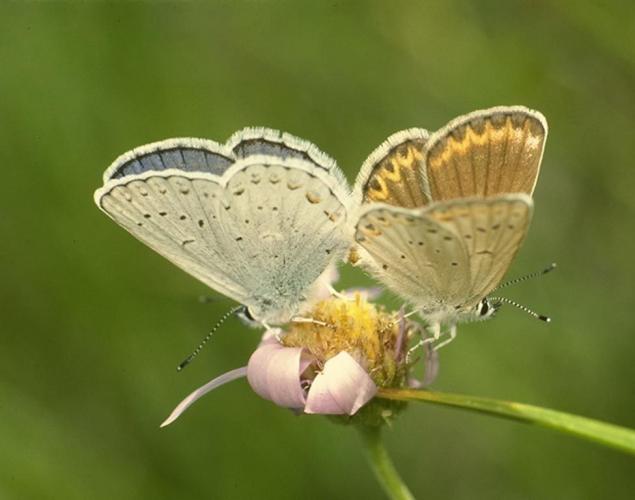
(485, 307)
(247, 314)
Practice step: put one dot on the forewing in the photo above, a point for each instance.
(492, 231)
(392, 173)
(486, 153)
(414, 255)
(178, 215)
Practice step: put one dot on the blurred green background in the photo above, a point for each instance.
(93, 323)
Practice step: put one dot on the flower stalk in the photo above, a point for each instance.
(382, 466)
(603, 433)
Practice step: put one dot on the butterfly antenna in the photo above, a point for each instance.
(529, 276)
(504, 300)
(189, 359)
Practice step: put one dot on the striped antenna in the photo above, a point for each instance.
(529, 276)
(189, 359)
(504, 300)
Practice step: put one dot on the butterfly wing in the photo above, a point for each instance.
(447, 256)
(392, 173)
(270, 142)
(486, 153)
(186, 154)
(288, 219)
(413, 254)
(492, 231)
(239, 232)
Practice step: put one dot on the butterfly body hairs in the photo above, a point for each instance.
(259, 219)
(441, 216)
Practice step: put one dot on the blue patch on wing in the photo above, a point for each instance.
(184, 158)
(261, 146)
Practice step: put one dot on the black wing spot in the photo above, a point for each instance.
(468, 236)
(185, 242)
(510, 226)
(259, 207)
(432, 231)
(162, 213)
(384, 267)
(239, 191)
(185, 191)
(183, 217)
(437, 250)
(201, 223)
(496, 226)
(455, 264)
(410, 242)
(147, 216)
(275, 209)
(239, 238)
(481, 229)
(246, 221)
(420, 243)
(139, 224)
(403, 256)
(447, 238)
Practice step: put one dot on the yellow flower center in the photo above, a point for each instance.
(364, 330)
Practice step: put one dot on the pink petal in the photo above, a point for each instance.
(431, 369)
(201, 391)
(343, 387)
(274, 373)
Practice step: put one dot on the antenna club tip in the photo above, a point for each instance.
(546, 319)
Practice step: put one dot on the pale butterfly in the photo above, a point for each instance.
(258, 219)
(441, 216)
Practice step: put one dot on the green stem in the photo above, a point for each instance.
(611, 435)
(382, 466)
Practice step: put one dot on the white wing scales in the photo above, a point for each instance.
(413, 254)
(261, 232)
(162, 219)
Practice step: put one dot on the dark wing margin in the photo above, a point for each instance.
(188, 155)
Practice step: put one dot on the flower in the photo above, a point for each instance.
(332, 362)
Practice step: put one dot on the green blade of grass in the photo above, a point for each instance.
(606, 434)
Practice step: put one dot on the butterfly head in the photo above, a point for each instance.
(486, 308)
(268, 309)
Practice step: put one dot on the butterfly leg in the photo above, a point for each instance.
(300, 319)
(339, 295)
(433, 329)
(451, 337)
(278, 333)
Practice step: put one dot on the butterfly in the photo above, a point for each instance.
(441, 216)
(259, 219)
